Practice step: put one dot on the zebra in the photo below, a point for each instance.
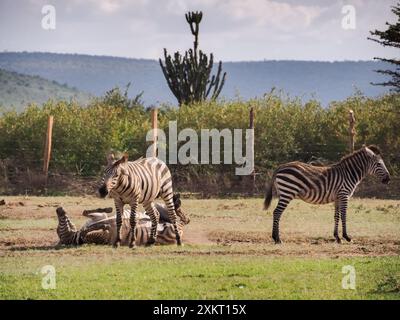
(69, 235)
(140, 181)
(66, 230)
(100, 229)
(165, 232)
(163, 211)
(324, 184)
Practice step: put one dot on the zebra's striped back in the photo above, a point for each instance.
(165, 229)
(310, 183)
(165, 232)
(142, 178)
(322, 184)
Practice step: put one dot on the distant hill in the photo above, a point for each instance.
(19, 89)
(325, 81)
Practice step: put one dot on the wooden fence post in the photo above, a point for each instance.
(47, 147)
(154, 125)
(253, 174)
(352, 131)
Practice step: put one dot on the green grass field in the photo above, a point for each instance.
(228, 254)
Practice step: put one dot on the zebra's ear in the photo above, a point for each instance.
(122, 160)
(110, 159)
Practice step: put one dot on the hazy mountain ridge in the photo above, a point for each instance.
(17, 90)
(325, 81)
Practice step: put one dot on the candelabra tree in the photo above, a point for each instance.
(189, 75)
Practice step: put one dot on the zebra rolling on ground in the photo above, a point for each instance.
(97, 230)
(139, 182)
(324, 184)
(101, 229)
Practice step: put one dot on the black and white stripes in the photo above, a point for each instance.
(100, 229)
(139, 182)
(66, 230)
(324, 184)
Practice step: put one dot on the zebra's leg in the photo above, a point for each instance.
(167, 195)
(132, 222)
(119, 208)
(337, 217)
(282, 204)
(155, 218)
(344, 199)
(174, 220)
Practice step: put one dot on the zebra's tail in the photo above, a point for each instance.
(268, 194)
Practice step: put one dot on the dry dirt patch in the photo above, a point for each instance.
(216, 224)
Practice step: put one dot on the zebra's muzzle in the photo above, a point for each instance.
(103, 192)
(386, 180)
(60, 212)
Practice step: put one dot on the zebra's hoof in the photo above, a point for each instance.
(348, 239)
(150, 242)
(338, 240)
(276, 239)
(115, 245)
(132, 246)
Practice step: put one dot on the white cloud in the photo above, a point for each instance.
(232, 29)
(280, 15)
(110, 6)
(176, 6)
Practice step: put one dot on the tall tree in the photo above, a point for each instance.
(189, 76)
(390, 38)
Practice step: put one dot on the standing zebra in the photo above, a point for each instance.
(324, 184)
(140, 181)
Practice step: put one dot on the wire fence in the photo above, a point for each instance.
(75, 151)
(69, 173)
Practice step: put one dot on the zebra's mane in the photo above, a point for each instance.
(137, 160)
(373, 148)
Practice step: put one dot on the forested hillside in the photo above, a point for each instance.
(326, 81)
(17, 90)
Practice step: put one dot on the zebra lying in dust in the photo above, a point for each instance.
(101, 229)
(324, 184)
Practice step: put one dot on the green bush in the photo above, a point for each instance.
(285, 130)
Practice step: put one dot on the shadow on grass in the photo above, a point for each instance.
(45, 248)
(389, 284)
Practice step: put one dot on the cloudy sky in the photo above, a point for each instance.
(235, 30)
